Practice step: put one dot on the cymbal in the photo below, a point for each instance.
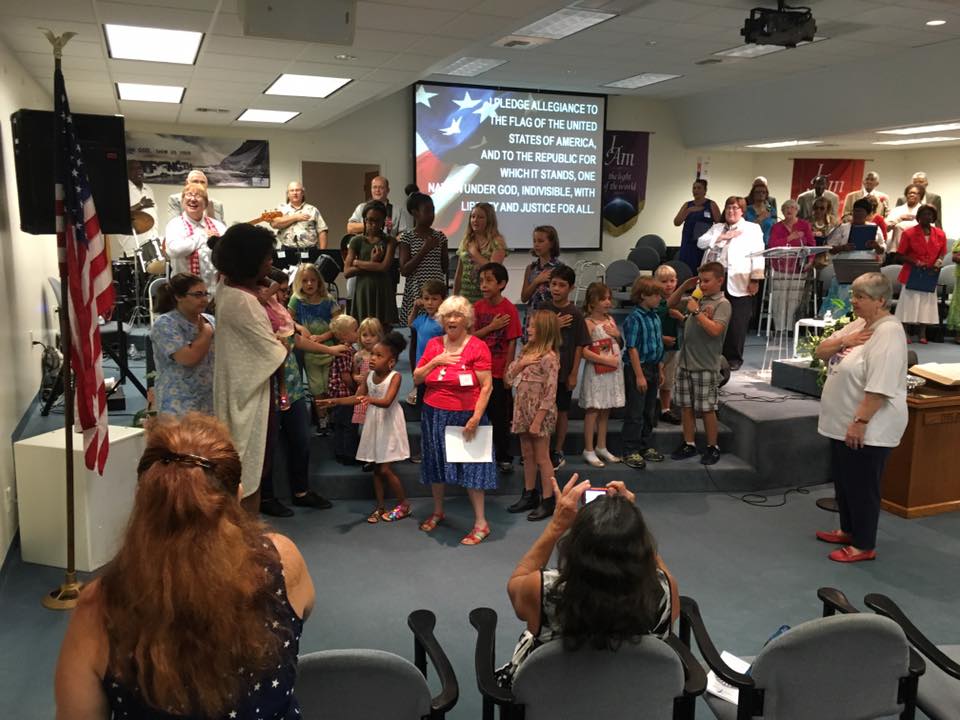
(142, 222)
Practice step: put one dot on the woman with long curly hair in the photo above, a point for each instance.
(482, 243)
(200, 613)
(611, 586)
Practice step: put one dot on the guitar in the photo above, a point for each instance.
(265, 216)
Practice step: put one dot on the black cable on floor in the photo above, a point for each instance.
(759, 499)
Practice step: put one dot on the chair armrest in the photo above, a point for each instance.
(485, 622)
(835, 601)
(694, 678)
(422, 622)
(690, 619)
(882, 605)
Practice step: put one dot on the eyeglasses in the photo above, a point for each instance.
(195, 196)
(199, 294)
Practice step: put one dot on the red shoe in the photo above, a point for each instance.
(838, 537)
(923, 341)
(847, 555)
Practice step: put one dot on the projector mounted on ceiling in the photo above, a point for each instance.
(786, 26)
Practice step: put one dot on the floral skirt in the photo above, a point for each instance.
(435, 469)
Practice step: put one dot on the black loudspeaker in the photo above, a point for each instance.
(104, 155)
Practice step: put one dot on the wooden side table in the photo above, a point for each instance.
(922, 476)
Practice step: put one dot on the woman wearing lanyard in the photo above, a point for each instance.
(696, 216)
(186, 236)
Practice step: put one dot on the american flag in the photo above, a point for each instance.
(83, 259)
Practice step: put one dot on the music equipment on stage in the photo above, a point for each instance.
(265, 216)
(104, 154)
(152, 260)
(123, 272)
(142, 221)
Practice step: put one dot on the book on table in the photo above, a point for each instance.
(942, 373)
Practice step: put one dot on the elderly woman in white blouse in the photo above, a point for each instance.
(863, 411)
(186, 236)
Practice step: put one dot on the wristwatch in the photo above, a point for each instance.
(695, 313)
(858, 419)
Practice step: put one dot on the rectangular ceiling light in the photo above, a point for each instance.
(755, 50)
(563, 23)
(150, 93)
(127, 42)
(267, 116)
(642, 80)
(313, 86)
(917, 141)
(470, 66)
(918, 129)
(785, 143)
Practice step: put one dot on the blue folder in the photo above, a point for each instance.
(922, 279)
(860, 235)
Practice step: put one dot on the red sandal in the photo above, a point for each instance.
(476, 536)
(430, 524)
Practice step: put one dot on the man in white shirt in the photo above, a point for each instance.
(379, 190)
(806, 199)
(870, 182)
(174, 206)
(141, 200)
(731, 243)
(301, 226)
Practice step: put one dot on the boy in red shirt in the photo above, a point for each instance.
(497, 323)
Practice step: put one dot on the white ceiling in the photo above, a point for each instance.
(398, 42)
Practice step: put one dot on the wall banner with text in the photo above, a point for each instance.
(624, 188)
(843, 176)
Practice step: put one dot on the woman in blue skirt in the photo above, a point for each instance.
(455, 368)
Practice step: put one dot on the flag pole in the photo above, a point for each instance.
(65, 597)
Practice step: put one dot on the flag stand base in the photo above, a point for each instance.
(66, 596)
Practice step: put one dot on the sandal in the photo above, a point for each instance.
(430, 524)
(398, 513)
(476, 536)
(375, 516)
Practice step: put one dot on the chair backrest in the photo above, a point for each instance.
(653, 241)
(620, 273)
(890, 272)
(645, 258)
(152, 290)
(948, 277)
(640, 680)
(826, 276)
(360, 685)
(684, 271)
(868, 655)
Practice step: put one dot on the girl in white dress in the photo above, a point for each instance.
(384, 438)
(602, 388)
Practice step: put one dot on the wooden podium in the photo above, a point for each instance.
(922, 476)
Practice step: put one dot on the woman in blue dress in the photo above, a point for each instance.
(182, 338)
(761, 210)
(696, 216)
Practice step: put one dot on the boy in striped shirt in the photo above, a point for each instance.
(643, 370)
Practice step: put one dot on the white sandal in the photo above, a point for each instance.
(591, 458)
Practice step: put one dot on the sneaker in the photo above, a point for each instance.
(670, 417)
(653, 455)
(710, 456)
(544, 510)
(275, 508)
(416, 458)
(557, 460)
(684, 451)
(412, 397)
(590, 457)
(607, 456)
(527, 502)
(635, 461)
(505, 467)
(313, 500)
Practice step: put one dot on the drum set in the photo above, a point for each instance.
(132, 275)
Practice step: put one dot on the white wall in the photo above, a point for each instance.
(25, 263)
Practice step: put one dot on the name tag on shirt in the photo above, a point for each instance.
(304, 255)
(707, 215)
(281, 253)
(466, 380)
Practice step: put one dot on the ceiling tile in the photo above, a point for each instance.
(393, 18)
(153, 16)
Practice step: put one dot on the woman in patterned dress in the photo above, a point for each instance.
(481, 244)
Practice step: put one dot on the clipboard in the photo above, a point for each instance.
(477, 450)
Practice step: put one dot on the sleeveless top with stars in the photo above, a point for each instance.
(267, 697)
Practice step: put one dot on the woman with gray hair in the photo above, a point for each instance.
(456, 369)
(787, 274)
(863, 411)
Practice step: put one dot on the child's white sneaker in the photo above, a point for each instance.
(605, 454)
(591, 458)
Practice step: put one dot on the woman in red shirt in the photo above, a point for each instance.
(455, 368)
(922, 248)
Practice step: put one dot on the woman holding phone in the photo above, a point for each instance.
(605, 542)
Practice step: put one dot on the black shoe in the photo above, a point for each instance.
(275, 508)
(710, 456)
(366, 467)
(528, 501)
(635, 461)
(735, 365)
(684, 451)
(670, 417)
(311, 499)
(653, 455)
(544, 510)
(505, 467)
(557, 460)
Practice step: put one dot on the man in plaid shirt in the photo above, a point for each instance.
(642, 369)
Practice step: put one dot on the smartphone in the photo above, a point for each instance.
(592, 493)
